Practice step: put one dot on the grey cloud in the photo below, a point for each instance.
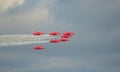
(27, 20)
(95, 46)
(6, 5)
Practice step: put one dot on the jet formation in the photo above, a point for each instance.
(63, 37)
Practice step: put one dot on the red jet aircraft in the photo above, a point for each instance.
(54, 33)
(64, 39)
(68, 33)
(55, 41)
(38, 33)
(66, 36)
(38, 47)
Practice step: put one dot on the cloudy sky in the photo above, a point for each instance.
(94, 48)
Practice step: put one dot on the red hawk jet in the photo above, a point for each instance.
(54, 33)
(38, 47)
(38, 33)
(54, 41)
(68, 33)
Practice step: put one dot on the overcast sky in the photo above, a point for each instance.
(95, 47)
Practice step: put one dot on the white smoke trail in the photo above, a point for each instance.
(23, 43)
(22, 39)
